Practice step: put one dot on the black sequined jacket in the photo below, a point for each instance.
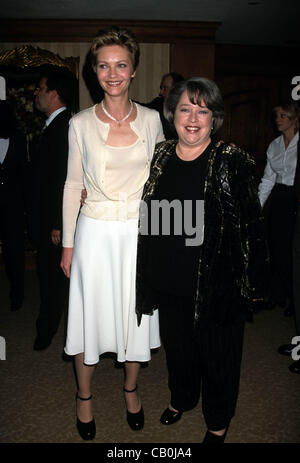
(233, 263)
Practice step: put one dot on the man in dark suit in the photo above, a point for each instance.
(53, 97)
(12, 202)
(167, 83)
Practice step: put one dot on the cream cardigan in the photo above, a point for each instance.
(87, 165)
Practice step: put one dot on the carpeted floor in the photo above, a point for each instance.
(37, 389)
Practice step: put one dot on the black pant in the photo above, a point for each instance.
(211, 357)
(53, 289)
(12, 237)
(296, 270)
(281, 229)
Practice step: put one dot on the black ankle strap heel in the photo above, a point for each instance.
(87, 431)
(135, 420)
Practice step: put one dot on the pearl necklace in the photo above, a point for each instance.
(113, 118)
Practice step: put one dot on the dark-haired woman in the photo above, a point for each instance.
(205, 269)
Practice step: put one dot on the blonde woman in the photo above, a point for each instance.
(278, 183)
(111, 146)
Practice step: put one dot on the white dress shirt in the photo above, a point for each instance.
(4, 144)
(280, 167)
(53, 115)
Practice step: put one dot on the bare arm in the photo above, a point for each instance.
(66, 261)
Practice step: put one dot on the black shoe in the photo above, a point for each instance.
(211, 438)
(295, 367)
(170, 416)
(87, 431)
(286, 349)
(41, 343)
(135, 420)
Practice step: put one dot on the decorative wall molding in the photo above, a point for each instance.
(27, 56)
(185, 47)
(76, 30)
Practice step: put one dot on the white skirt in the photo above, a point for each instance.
(102, 314)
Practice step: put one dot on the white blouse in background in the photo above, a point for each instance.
(280, 167)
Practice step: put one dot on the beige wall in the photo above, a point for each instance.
(154, 62)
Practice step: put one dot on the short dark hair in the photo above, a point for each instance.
(63, 81)
(175, 76)
(7, 120)
(198, 89)
(115, 35)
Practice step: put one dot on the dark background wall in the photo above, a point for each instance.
(253, 79)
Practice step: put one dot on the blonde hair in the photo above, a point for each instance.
(293, 110)
(115, 36)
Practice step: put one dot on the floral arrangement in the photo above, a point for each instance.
(22, 102)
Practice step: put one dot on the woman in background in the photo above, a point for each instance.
(278, 182)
